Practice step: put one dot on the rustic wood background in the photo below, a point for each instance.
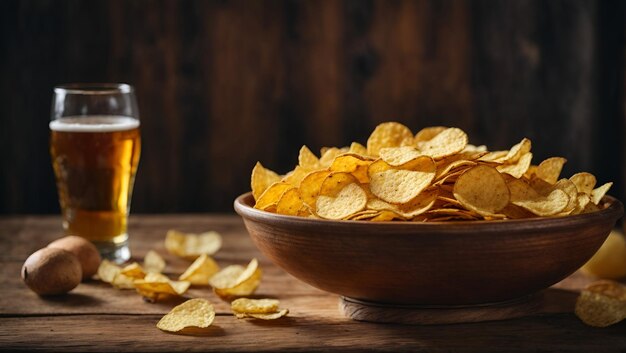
(222, 84)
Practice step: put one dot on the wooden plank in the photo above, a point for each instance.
(302, 332)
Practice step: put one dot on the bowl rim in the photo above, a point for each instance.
(614, 211)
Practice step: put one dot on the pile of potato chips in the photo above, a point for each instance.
(602, 303)
(434, 175)
(233, 281)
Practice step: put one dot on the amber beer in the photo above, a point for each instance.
(95, 159)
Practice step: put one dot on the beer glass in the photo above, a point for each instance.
(95, 146)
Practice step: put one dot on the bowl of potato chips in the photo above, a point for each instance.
(427, 219)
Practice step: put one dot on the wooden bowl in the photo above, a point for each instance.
(440, 264)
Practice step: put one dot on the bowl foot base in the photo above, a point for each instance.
(434, 315)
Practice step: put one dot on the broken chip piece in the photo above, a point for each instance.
(196, 312)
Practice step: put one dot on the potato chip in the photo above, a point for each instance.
(290, 203)
(329, 155)
(108, 270)
(271, 196)
(550, 169)
(396, 175)
(585, 182)
(156, 285)
(397, 156)
(517, 168)
(190, 246)
(482, 189)
(307, 160)
(134, 271)
(349, 200)
(254, 306)
(200, 271)
(153, 262)
(261, 179)
(122, 281)
(598, 193)
(235, 280)
(390, 134)
(264, 316)
(195, 312)
(602, 303)
(294, 178)
(446, 143)
(311, 185)
(354, 164)
(401, 185)
(357, 148)
(526, 197)
(428, 133)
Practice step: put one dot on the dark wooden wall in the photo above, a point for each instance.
(222, 84)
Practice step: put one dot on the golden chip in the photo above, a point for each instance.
(190, 246)
(354, 164)
(290, 203)
(357, 148)
(517, 168)
(602, 303)
(254, 306)
(446, 143)
(200, 271)
(526, 197)
(598, 193)
(264, 316)
(155, 285)
(329, 155)
(294, 178)
(108, 270)
(483, 190)
(349, 200)
(550, 169)
(311, 185)
(390, 134)
(271, 196)
(585, 182)
(397, 156)
(196, 312)
(235, 280)
(307, 160)
(134, 271)
(153, 262)
(122, 281)
(428, 133)
(261, 179)
(401, 185)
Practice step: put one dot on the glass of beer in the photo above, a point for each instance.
(95, 146)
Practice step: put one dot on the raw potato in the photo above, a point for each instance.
(52, 271)
(83, 249)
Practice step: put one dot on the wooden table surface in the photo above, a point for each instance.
(97, 317)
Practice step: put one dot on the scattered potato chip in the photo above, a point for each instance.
(153, 262)
(235, 280)
(432, 176)
(254, 306)
(602, 303)
(122, 281)
(134, 271)
(108, 270)
(200, 271)
(261, 179)
(196, 312)
(190, 246)
(263, 316)
(156, 285)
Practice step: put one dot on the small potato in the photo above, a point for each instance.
(52, 271)
(83, 249)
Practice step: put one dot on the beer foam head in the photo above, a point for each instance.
(94, 124)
